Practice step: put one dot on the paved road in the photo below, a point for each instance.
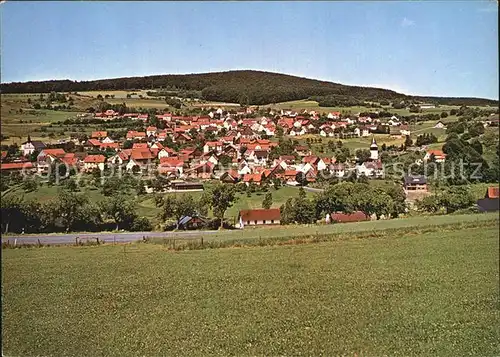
(310, 189)
(52, 239)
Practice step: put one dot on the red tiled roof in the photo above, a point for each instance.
(99, 134)
(141, 154)
(140, 146)
(492, 192)
(260, 214)
(134, 134)
(110, 145)
(252, 178)
(171, 161)
(349, 217)
(436, 153)
(54, 152)
(16, 166)
(94, 142)
(97, 159)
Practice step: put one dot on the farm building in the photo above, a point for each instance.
(340, 217)
(415, 183)
(491, 200)
(188, 222)
(257, 217)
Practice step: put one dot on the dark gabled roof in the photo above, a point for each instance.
(186, 219)
(415, 180)
(488, 204)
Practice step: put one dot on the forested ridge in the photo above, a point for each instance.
(244, 87)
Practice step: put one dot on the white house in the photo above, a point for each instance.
(440, 125)
(29, 147)
(370, 169)
(92, 162)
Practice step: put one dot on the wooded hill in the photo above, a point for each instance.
(244, 87)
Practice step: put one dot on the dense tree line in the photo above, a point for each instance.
(70, 211)
(244, 87)
(381, 200)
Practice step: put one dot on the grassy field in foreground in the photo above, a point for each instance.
(427, 294)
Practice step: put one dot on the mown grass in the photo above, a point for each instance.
(425, 294)
(271, 235)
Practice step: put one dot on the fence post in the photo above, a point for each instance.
(39, 244)
(114, 240)
(76, 240)
(15, 242)
(97, 239)
(202, 242)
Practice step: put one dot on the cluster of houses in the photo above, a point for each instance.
(239, 144)
(241, 151)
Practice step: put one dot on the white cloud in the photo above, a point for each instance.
(406, 22)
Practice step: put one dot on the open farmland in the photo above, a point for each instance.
(313, 105)
(424, 294)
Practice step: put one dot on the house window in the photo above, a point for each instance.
(255, 222)
(248, 222)
(272, 221)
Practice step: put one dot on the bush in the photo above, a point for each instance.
(141, 224)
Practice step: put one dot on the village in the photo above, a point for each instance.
(241, 150)
(247, 147)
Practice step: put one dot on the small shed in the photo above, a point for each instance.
(191, 222)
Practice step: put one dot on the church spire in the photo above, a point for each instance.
(29, 138)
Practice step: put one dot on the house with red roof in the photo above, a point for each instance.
(92, 162)
(491, 200)
(181, 138)
(16, 166)
(120, 158)
(140, 146)
(142, 158)
(201, 171)
(132, 134)
(99, 134)
(71, 159)
(258, 217)
(439, 155)
(171, 166)
(114, 146)
(151, 131)
(340, 217)
(166, 152)
(93, 144)
(212, 146)
(252, 178)
(47, 157)
(230, 176)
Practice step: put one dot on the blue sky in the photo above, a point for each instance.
(443, 48)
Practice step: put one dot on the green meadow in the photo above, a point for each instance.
(399, 294)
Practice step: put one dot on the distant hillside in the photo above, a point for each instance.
(244, 87)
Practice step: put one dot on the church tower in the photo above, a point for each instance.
(374, 150)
